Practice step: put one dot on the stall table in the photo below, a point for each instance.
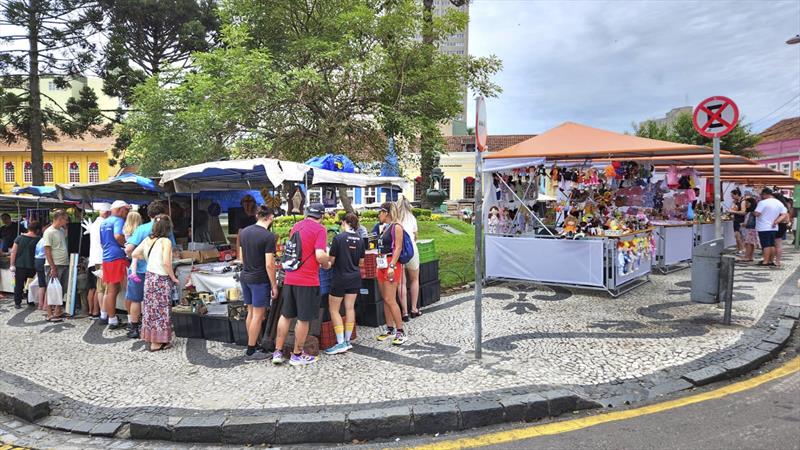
(674, 244)
(590, 263)
(705, 232)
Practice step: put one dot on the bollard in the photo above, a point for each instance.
(726, 270)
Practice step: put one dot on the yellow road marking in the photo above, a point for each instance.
(501, 437)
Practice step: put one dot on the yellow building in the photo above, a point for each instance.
(65, 161)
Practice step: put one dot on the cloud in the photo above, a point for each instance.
(609, 64)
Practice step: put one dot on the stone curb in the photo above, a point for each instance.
(389, 421)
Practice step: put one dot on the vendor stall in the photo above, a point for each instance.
(597, 235)
(674, 243)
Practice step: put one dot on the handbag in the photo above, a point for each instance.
(750, 223)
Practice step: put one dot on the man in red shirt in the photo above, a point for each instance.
(301, 287)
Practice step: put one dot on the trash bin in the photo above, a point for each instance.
(706, 259)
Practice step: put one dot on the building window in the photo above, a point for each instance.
(773, 166)
(94, 172)
(469, 188)
(48, 172)
(786, 168)
(370, 195)
(797, 165)
(74, 172)
(27, 173)
(446, 186)
(10, 172)
(315, 195)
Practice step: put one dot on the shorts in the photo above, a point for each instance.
(135, 290)
(115, 271)
(100, 286)
(736, 226)
(301, 302)
(767, 238)
(781, 234)
(91, 280)
(256, 294)
(413, 263)
(41, 277)
(398, 272)
(344, 287)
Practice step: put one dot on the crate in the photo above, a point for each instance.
(217, 328)
(325, 281)
(369, 293)
(430, 293)
(239, 330)
(429, 272)
(370, 268)
(427, 251)
(370, 314)
(187, 325)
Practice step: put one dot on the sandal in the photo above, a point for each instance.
(164, 346)
(415, 314)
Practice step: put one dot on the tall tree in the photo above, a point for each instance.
(740, 141)
(57, 34)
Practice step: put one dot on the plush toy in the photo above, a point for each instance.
(494, 220)
(570, 226)
(554, 174)
(672, 177)
(610, 172)
(621, 258)
(593, 179)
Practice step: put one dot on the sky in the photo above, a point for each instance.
(609, 64)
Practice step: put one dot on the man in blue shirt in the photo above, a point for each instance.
(115, 262)
(135, 292)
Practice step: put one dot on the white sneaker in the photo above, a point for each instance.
(399, 339)
(277, 358)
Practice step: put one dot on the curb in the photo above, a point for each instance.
(371, 423)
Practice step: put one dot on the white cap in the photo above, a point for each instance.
(101, 207)
(120, 204)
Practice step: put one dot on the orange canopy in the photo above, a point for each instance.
(575, 140)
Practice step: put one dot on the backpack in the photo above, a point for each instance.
(292, 258)
(407, 252)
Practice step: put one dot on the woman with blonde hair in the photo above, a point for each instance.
(390, 272)
(409, 295)
(133, 220)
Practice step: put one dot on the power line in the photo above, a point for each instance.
(776, 110)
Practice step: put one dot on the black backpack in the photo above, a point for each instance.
(292, 258)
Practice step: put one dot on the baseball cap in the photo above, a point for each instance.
(101, 207)
(120, 204)
(315, 210)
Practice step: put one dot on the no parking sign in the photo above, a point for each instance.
(715, 116)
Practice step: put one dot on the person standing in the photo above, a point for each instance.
(409, 295)
(132, 221)
(9, 232)
(259, 285)
(96, 285)
(115, 263)
(780, 235)
(160, 279)
(301, 287)
(748, 230)
(23, 253)
(347, 255)
(769, 212)
(134, 293)
(738, 218)
(39, 260)
(390, 272)
(57, 258)
(248, 216)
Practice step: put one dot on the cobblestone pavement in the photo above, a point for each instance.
(534, 336)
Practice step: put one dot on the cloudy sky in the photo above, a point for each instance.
(608, 64)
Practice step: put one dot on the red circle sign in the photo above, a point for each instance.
(715, 116)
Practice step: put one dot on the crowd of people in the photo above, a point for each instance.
(761, 223)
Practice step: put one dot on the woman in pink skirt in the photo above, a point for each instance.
(158, 284)
(748, 230)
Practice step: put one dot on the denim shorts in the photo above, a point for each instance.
(256, 294)
(767, 238)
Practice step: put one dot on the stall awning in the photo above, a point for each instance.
(758, 180)
(128, 187)
(575, 140)
(15, 202)
(39, 191)
(241, 174)
(321, 176)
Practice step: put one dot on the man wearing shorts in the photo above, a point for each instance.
(56, 258)
(301, 287)
(134, 293)
(115, 263)
(769, 212)
(259, 285)
(96, 288)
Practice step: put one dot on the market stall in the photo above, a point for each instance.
(598, 234)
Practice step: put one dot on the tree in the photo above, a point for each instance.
(740, 141)
(57, 34)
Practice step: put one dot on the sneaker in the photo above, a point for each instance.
(277, 357)
(336, 349)
(117, 326)
(133, 331)
(303, 360)
(386, 334)
(349, 345)
(258, 355)
(399, 339)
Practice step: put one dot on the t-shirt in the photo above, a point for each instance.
(56, 239)
(8, 233)
(139, 235)
(26, 249)
(95, 247)
(40, 250)
(256, 241)
(348, 249)
(770, 209)
(409, 224)
(313, 236)
(112, 226)
(244, 221)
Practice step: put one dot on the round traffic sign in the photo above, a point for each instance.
(481, 132)
(715, 116)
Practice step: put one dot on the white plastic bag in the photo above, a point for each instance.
(55, 296)
(33, 293)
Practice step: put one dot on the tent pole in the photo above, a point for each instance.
(191, 200)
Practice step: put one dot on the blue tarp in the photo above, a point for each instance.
(334, 163)
(41, 191)
(225, 199)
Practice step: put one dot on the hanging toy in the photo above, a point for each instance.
(621, 259)
(610, 172)
(672, 177)
(494, 220)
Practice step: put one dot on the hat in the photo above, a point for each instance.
(315, 210)
(120, 204)
(101, 207)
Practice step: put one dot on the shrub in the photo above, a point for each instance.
(421, 213)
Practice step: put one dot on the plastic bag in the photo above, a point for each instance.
(33, 293)
(55, 296)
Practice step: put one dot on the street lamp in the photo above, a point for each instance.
(794, 40)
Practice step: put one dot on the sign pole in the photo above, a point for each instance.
(717, 193)
(478, 215)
